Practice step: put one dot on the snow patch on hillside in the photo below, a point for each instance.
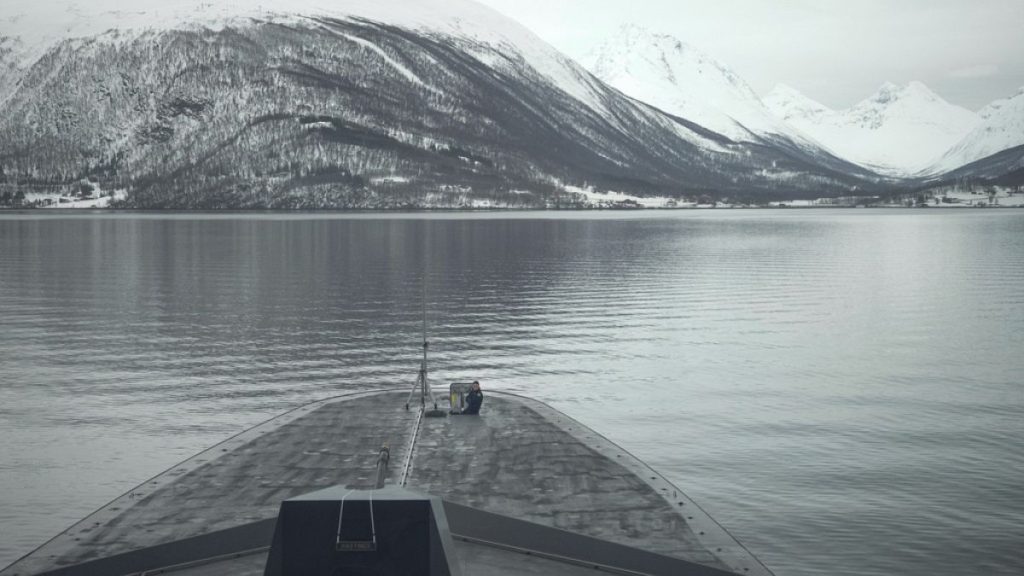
(612, 199)
(98, 199)
(402, 70)
(391, 180)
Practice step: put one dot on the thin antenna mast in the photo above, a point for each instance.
(421, 381)
(425, 388)
(423, 304)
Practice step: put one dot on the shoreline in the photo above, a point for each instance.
(491, 210)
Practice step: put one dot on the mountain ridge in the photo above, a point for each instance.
(106, 20)
(682, 80)
(316, 112)
(898, 130)
(1001, 128)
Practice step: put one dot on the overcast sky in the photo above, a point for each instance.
(836, 51)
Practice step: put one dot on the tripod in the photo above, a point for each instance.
(421, 381)
(422, 385)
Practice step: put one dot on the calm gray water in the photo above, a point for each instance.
(840, 389)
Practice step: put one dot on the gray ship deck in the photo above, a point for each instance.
(520, 458)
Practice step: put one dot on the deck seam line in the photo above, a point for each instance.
(549, 556)
(201, 562)
(412, 447)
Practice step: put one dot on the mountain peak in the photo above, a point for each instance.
(633, 30)
(994, 108)
(1001, 128)
(898, 130)
(783, 99)
(889, 93)
(632, 33)
(667, 73)
(634, 42)
(888, 87)
(39, 24)
(785, 90)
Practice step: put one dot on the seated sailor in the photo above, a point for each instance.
(474, 399)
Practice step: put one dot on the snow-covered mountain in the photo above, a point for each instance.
(1005, 168)
(37, 25)
(900, 130)
(682, 80)
(361, 103)
(1001, 128)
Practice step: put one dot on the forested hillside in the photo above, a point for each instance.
(347, 113)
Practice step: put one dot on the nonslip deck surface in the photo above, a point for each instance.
(520, 458)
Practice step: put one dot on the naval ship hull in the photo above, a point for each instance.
(519, 489)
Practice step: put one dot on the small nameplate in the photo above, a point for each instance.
(356, 547)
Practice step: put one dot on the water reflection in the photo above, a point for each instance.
(840, 389)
